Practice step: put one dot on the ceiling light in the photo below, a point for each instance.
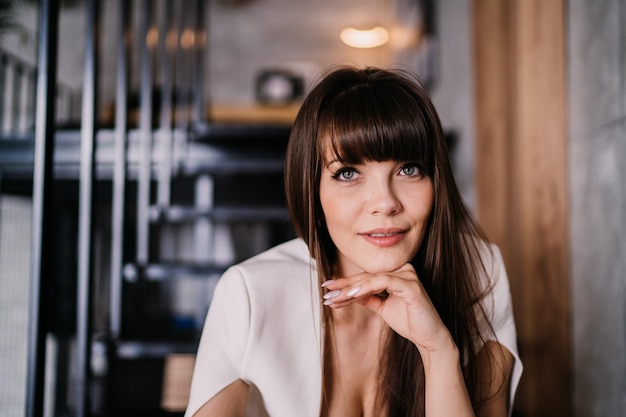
(369, 38)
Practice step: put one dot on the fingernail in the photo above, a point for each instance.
(331, 294)
(354, 291)
(327, 283)
(328, 302)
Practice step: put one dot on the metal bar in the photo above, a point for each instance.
(30, 99)
(85, 213)
(180, 76)
(42, 202)
(204, 227)
(9, 93)
(145, 127)
(165, 136)
(3, 66)
(119, 170)
(16, 97)
(199, 48)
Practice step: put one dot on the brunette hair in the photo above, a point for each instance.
(374, 114)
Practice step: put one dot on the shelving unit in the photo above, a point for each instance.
(239, 171)
(136, 217)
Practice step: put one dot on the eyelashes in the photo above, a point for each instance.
(345, 174)
(348, 173)
(411, 169)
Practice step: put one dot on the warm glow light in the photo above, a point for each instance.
(187, 39)
(152, 38)
(370, 38)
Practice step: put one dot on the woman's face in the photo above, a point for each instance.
(376, 213)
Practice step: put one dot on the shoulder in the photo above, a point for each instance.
(495, 317)
(494, 282)
(293, 252)
(280, 268)
(490, 260)
(289, 258)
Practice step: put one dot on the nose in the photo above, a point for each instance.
(383, 199)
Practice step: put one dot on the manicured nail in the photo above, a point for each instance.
(327, 283)
(332, 294)
(354, 291)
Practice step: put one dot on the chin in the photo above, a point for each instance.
(374, 268)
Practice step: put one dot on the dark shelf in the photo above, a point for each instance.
(164, 271)
(240, 134)
(139, 349)
(180, 214)
(212, 149)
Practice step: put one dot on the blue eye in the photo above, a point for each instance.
(410, 170)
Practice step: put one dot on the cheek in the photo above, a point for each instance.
(426, 200)
(330, 198)
(339, 212)
(330, 208)
(327, 204)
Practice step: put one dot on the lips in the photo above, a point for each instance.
(381, 234)
(384, 238)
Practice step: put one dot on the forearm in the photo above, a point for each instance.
(446, 393)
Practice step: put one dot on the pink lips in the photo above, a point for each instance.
(384, 238)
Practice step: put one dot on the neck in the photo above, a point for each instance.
(358, 318)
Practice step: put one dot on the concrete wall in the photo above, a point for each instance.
(597, 155)
(453, 92)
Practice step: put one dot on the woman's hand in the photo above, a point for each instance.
(400, 300)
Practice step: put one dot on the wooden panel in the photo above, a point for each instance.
(522, 183)
(493, 126)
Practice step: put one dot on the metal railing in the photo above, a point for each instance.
(170, 56)
(18, 82)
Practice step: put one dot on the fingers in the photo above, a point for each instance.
(398, 297)
(357, 288)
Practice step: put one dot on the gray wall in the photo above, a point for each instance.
(597, 171)
(452, 93)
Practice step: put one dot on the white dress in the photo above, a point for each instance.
(263, 327)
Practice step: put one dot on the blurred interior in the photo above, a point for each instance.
(141, 150)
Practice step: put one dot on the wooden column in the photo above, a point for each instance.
(521, 160)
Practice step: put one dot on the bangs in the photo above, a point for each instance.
(370, 123)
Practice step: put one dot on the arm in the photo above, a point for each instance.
(495, 365)
(445, 390)
(222, 345)
(409, 311)
(446, 393)
(229, 402)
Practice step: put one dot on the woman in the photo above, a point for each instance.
(390, 302)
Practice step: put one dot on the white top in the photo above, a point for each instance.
(263, 327)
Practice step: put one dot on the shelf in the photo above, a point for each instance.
(152, 349)
(253, 113)
(164, 271)
(207, 148)
(181, 214)
(267, 136)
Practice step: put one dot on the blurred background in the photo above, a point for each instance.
(141, 151)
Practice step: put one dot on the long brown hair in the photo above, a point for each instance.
(373, 114)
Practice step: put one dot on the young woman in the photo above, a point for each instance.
(390, 302)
